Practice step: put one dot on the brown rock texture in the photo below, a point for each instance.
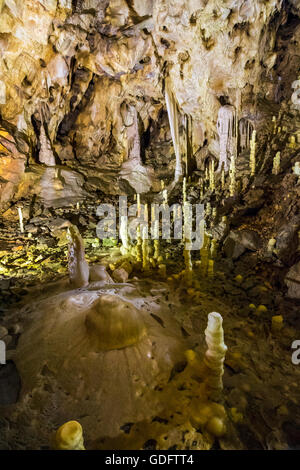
(82, 82)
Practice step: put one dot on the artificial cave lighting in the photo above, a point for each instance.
(149, 225)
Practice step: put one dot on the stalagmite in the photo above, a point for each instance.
(223, 179)
(206, 174)
(155, 233)
(276, 164)
(210, 268)
(274, 120)
(271, 245)
(226, 130)
(212, 175)
(77, 264)
(213, 248)
(188, 263)
(201, 188)
(165, 197)
(187, 236)
(208, 209)
(215, 355)
(21, 219)
(232, 187)
(69, 437)
(139, 246)
(296, 169)
(138, 202)
(184, 190)
(253, 154)
(145, 243)
(292, 142)
(124, 234)
(277, 323)
(156, 254)
(204, 255)
(162, 269)
(174, 126)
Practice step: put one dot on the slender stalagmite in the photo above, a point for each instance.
(215, 355)
(78, 266)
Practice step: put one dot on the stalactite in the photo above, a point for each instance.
(245, 132)
(46, 155)
(133, 136)
(226, 129)
(237, 114)
(174, 126)
(189, 142)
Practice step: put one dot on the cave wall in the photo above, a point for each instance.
(74, 73)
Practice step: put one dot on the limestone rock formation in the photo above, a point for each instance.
(69, 59)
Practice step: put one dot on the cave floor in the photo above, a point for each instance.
(260, 395)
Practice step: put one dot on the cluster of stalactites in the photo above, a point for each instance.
(226, 127)
(245, 133)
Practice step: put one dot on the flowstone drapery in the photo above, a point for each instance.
(174, 125)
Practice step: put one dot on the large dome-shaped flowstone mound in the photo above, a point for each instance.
(114, 323)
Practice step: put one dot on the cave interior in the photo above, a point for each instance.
(149, 224)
